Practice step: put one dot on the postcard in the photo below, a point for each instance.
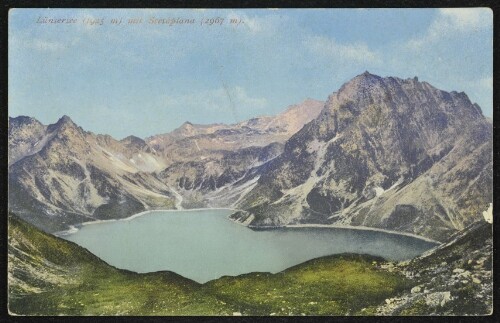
(250, 162)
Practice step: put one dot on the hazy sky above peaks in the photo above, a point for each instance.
(145, 79)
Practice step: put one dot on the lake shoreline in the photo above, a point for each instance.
(337, 226)
(74, 228)
(363, 228)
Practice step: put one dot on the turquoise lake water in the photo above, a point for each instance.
(204, 244)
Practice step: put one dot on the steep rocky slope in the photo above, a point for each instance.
(455, 278)
(26, 137)
(219, 180)
(68, 175)
(384, 152)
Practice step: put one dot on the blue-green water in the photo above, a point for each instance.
(204, 244)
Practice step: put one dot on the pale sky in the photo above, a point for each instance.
(148, 79)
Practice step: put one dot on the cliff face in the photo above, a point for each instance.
(384, 152)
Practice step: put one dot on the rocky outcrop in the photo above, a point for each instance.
(455, 278)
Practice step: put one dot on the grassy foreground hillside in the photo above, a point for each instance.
(50, 276)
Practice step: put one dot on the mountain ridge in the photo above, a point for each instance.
(61, 175)
(193, 141)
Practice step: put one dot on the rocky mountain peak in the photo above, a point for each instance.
(23, 123)
(361, 90)
(309, 101)
(65, 120)
(187, 128)
(297, 115)
(61, 124)
(400, 97)
(309, 104)
(133, 142)
(133, 139)
(21, 120)
(366, 77)
(187, 125)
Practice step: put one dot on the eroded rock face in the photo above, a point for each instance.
(219, 181)
(384, 152)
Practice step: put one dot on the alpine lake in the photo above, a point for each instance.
(204, 244)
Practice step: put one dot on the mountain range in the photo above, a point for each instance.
(62, 175)
(382, 152)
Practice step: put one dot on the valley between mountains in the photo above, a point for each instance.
(52, 276)
(381, 152)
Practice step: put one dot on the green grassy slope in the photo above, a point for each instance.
(51, 276)
(333, 285)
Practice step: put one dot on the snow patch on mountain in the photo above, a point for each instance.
(488, 214)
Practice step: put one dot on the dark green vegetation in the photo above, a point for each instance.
(51, 276)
